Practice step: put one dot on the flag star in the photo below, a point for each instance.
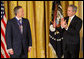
(1, 12)
(1, 16)
(3, 8)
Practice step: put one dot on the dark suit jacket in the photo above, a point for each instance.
(72, 36)
(15, 39)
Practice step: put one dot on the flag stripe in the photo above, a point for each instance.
(4, 49)
(4, 17)
(4, 23)
(3, 34)
(2, 26)
(3, 40)
(2, 56)
(3, 53)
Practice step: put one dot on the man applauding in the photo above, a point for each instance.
(71, 25)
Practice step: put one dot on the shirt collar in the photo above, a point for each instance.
(72, 17)
(18, 18)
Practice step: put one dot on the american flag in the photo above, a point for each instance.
(4, 52)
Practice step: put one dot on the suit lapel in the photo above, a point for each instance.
(23, 25)
(16, 25)
(72, 20)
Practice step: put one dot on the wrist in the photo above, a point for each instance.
(10, 49)
(66, 27)
(30, 46)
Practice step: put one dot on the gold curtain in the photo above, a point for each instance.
(39, 15)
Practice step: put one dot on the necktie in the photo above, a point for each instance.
(69, 21)
(20, 26)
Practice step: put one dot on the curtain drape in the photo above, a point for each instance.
(39, 15)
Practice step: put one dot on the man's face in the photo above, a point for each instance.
(70, 11)
(20, 12)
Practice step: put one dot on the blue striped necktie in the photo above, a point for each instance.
(20, 26)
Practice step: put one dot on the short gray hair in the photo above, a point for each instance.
(74, 7)
(16, 9)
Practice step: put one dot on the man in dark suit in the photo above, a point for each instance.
(18, 35)
(71, 26)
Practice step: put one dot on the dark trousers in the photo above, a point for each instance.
(22, 55)
(71, 50)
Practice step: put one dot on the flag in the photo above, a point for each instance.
(4, 52)
(55, 34)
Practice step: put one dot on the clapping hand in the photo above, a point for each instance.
(63, 23)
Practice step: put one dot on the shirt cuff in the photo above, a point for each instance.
(61, 27)
(67, 28)
(30, 46)
(9, 49)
